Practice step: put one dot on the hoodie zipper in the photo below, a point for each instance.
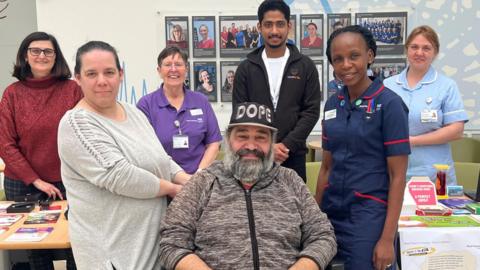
(251, 225)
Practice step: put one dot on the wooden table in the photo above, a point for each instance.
(58, 238)
(314, 145)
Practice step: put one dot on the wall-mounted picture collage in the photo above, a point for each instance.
(217, 44)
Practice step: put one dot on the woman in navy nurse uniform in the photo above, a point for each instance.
(365, 140)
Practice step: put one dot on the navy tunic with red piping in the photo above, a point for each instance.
(360, 135)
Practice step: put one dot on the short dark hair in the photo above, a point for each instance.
(94, 45)
(364, 32)
(269, 5)
(22, 70)
(169, 51)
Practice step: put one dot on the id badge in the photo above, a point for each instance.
(180, 141)
(429, 116)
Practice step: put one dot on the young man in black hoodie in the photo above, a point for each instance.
(278, 75)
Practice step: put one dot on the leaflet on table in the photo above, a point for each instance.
(9, 219)
(438, 221)
(440, 248)
(44, 217)
(29, 234)
(455, 203)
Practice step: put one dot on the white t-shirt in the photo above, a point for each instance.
(275, 68)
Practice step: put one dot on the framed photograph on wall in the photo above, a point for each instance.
(387, 67)
(176, 32)
(205, 76)
(203, 36)
(388, 28)
(333, 84)
(239, 35)
(188, 80)
(311, 33)
(319, 66)
(227, 76)
(336, 21)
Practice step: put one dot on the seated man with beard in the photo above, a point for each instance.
(246, 212)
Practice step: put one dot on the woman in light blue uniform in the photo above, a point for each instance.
(436, 109)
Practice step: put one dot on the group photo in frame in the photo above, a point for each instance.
(387, 67)
(388, 28)
(238, 35)
(203, 36)
(336, 21)
(311, 34)
(176, 32)
(227, 77)
(205, 77)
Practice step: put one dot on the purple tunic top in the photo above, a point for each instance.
(196, 120)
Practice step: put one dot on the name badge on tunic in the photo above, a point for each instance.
(180, 141)
(331, 114)
(429, 116)
(195, 112)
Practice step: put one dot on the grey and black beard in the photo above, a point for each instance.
(247, 171)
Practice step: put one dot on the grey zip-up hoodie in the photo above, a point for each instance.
(269, 226)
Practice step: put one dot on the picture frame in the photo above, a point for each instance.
(227, 76)
(204, 36)
(388, 28)
(311, 34)
(176, 32)
(205, 78)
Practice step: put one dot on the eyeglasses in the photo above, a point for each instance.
(177, 65)
(37, 51)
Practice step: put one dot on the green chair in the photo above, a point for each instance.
(467, 174)
(466, 150)
(2, 195)
(313, 168)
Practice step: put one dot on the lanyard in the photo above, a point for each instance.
(177, 125)
(275, 89)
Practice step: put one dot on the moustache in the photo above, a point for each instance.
(274, 36)
(256, 152)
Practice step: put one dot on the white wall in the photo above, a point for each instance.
(17, 19)
(136, 29)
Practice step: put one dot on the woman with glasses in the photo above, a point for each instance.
(183, 120)
(436, 115)
(30, 112)
(177, 37)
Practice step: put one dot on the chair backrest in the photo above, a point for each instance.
(466, 150)
(313, 168)
(467, 174)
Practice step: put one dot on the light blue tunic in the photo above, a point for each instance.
(434, 92)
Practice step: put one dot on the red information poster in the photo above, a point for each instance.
(422, 191)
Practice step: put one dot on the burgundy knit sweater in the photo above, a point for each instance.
(30, 112)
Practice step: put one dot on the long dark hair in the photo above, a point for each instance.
(22, 70)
